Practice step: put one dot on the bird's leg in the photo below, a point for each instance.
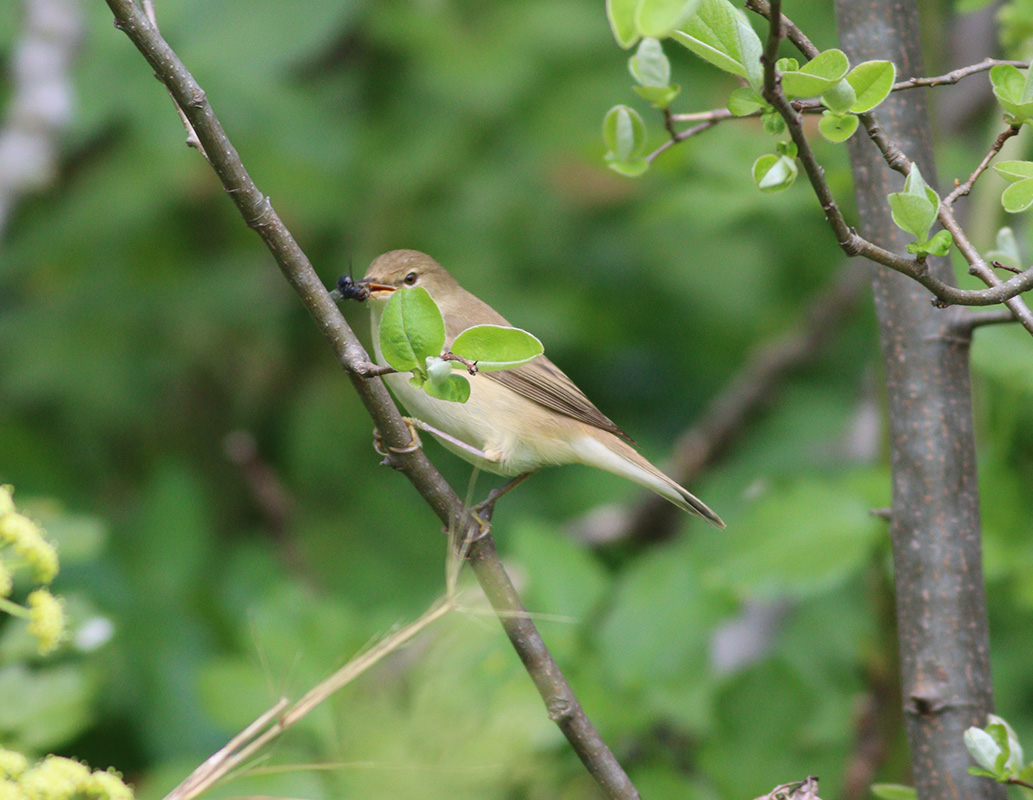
(482, 511)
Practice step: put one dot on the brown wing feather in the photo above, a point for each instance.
(540, 381)
(546, 384)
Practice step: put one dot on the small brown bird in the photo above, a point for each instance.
(518, 419)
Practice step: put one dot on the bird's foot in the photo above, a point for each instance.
(414, 441)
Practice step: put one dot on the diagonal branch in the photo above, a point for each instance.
(258, 213)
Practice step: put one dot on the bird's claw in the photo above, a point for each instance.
(414, 441)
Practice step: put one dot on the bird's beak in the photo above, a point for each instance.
(378, 290)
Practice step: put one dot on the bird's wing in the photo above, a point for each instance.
(540, 380)
(546, 384)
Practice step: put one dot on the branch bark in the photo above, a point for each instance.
(258, 213)
(941, 609)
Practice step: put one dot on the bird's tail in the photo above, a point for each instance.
(622, 459)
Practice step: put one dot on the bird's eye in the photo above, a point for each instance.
(410, 279)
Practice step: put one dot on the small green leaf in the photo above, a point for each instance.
(411, 328)
(786, 148)
(817, 76)
(621, 14)
(912, 213)
(1007, 250)
(629, 169)
(982, 747)
(496, 347)
(1009, 741)
(720, 34)
(894, 791)
(837, 127)
(1018, 197)
(649, 66)
(456, 389)
(1014, 170)
(773, 123)
(1012, 89)
(774, 173)
(658, 18)
(872, 82)
(914, 210)
(787, 65)
(940, 244)
(660, 96)
(744, 101)
(840, 97)
(624, 133)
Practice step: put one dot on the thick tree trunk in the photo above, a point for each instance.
(941, 609)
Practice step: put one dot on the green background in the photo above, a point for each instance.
(142, 326)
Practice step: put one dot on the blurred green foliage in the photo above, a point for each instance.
(142, 325)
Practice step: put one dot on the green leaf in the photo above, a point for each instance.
(496, 347)
(983, 749)
(658, 18)
(912, 213)
(1014, 170)
(624, 133)
(872, 81)
(1007, 250)
(649, 66)
(1012, 89)
(629, 169)
(720, 34)
(1008, 740)
(818, 75)
(940, 244)
(775, 552)
(894, 791)
(621, 14)
(659, 96)
(837, 127)
(914, 210)
(774, 173)
(411, 328)
(456, 389)
(786, 148)
(840, 97)
(773, 123)
(744, 101)
(1018, 197)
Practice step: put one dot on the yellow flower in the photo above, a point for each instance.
(46, 620)
(12, 764)
(108, 786)
(26, 537)
(55, 778)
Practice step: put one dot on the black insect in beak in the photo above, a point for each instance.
(350, 289)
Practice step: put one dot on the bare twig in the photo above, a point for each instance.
(963, 189)
(787, 29)
(956, 75)
(259, 214)
(970, 318)
(855, 245)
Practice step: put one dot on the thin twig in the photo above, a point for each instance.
(963, 189)
(855, 245)
(972, 318)
(259, 214)
(787, 29)
(956, 75)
